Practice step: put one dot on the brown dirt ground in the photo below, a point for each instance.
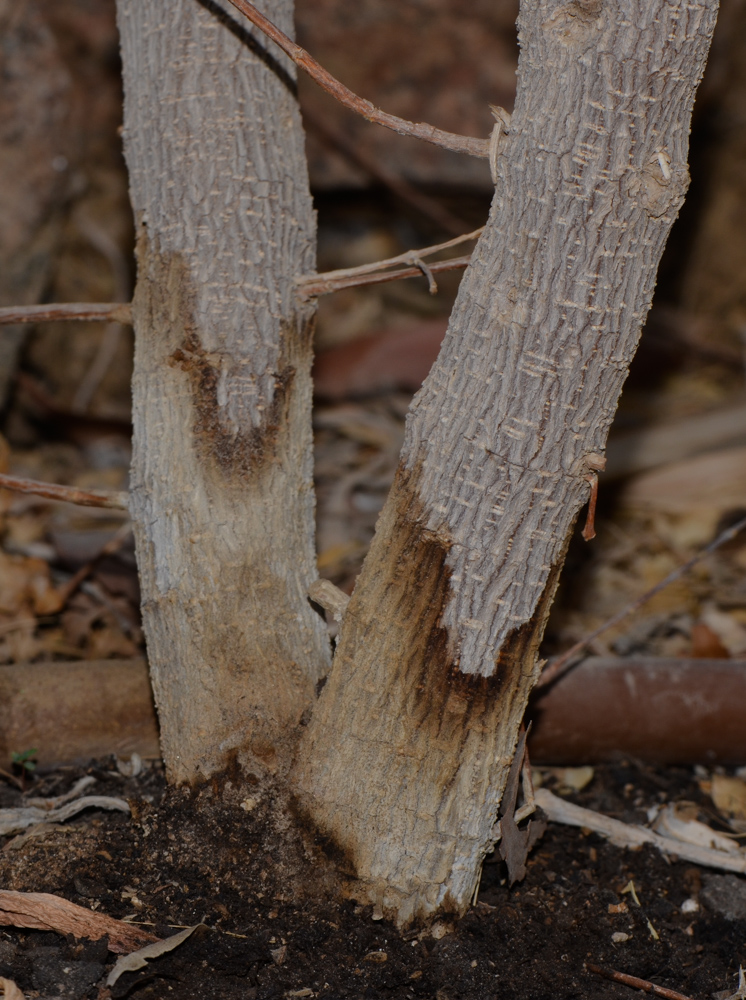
(274, 929)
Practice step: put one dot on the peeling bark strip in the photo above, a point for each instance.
(406, 756)
(221, 482)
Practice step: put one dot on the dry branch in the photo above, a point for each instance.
(397, 184)
(117, 312)
(312, 285)
(329, 83)
(115, 500)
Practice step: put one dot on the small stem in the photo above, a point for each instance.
(310, 286)
(67, 494)
(113, 545)
(397, 184)
(564, 662)
(323, 287)
(329, 83)
(12, 778)
(118, 312)
(638, 984)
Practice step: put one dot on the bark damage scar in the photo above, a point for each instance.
(575, 23)
(440, 697)
(234, 452)
(227, 432)
(659, 186)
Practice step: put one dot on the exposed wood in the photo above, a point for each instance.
(116, 500)
(119, 312)
(222, 497)
(404, 762)
(331, 598)
(420, 130)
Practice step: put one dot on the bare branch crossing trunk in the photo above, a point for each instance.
(222, 495)
(404, 762)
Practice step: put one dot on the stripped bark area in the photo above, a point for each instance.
(406, 756)
(221, 493)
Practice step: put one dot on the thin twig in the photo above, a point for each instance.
(12, 778)
(115, 500)
(329, 83)
(314, 286)
(638, 984)
(102, 241)
(401, 187)
(119, 312)
(556, 668)
(113, 545)
(402, 258)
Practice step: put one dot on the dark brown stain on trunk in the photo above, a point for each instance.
(167, 294)
(440, 699)
(233, 453)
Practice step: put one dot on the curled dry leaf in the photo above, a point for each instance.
(139, 959)
(46, 912)
(14, 820)
(570, 779)
(729, 797)
(678, 821)
(628, 835)
(55, 801)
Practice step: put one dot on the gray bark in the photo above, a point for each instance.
(222, 495)
(405, 759)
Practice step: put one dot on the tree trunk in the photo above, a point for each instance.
(222, 496)
(406, 756)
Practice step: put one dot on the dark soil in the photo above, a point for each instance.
(188, 857)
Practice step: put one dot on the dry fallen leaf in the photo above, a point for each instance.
(729, 796)
(46, 912)
(10, 990)
(571, 779)
(14, 820)
(678, 820)
(139, 959)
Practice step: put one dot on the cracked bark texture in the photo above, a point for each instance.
(405, 759)
(222, 496)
